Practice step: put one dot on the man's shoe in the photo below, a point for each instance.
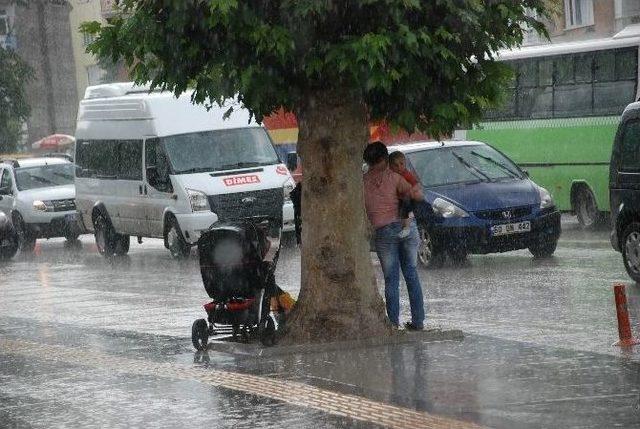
(411, 327)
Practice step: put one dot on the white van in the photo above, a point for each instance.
(153, 165)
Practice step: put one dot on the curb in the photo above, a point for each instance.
(402, 337)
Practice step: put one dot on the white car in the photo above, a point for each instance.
(38, 195)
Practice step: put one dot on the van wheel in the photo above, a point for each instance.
(631, 250)
(122, 244)
(586, 208)
(174, 241)
(26, 241)
(429, 255)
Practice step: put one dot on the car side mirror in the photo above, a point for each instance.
(526, 172)
(292, 161)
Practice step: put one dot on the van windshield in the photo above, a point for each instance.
(462, 164)
(219, 150)
(44, 176)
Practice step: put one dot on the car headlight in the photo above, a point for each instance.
(198, 200)
(288, 187)
(4, 220)
(447, 209)
(546, 200)
(41, 206)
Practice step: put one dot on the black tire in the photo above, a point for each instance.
(8, 245)
(586, 208)
(630, 246)
(429, 255)
(108, 241)
(458, 257)
(543, 250)
(200, 334)
(122, 244)
(26, 241)
(174, 241)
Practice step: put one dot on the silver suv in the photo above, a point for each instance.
(38, 195)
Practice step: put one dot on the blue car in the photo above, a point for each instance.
(477, 201)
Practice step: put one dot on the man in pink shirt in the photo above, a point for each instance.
(383, 190)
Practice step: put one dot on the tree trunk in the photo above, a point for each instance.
(338, 296)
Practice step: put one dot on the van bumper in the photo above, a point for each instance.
(193, 225)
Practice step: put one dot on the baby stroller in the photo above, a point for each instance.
(8, 238)
(237, 262)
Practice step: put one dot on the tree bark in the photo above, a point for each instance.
(338, 297)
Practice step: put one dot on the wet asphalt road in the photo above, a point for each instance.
(538, 351)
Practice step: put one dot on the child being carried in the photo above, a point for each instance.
(397, 163)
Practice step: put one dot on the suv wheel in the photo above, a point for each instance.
(631, 250)
(8, 244)
(174, 241)
(26, 241)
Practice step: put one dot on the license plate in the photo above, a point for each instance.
(511, 228)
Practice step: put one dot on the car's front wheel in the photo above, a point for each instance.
(26, 240)
(631, 250)
(544, 249)
(429, 255)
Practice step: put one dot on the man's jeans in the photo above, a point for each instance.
(395, 253)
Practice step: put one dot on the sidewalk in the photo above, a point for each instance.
(67, 377)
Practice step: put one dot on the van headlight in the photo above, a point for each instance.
(288, 187)
(447, 209)
(41, 206)
(198, 200)
(546, 201)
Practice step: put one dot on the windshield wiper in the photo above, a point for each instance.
(244, 164)
(471, 168)
(195, 170)
(499, 164)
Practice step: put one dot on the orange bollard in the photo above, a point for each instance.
(37, 249)
(624, 327)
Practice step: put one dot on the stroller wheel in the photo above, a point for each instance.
(268, 332)
(200, 334)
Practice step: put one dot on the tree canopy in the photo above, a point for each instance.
(428, 65)
(14, 109)
(421, 65)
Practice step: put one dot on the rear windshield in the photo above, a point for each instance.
(462, 164)
(220, 150)
(44, 176)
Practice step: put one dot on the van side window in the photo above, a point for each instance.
(112, 159)
(156, 158)
(630, 148)
(130, 160)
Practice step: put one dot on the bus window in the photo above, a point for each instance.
(583, 64)
(605, 66)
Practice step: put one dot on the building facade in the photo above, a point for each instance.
(87, 70)
(39, 31)
(587, 19)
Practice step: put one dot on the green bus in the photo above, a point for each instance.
(561, 116)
